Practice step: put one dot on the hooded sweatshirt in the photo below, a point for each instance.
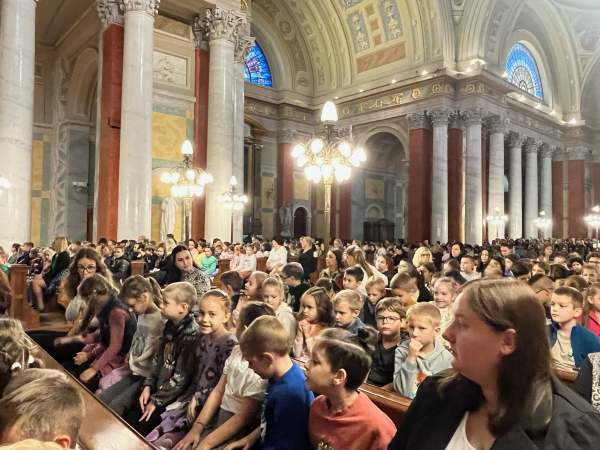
(408, 377)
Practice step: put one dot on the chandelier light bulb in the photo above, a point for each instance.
(186, 148)
(302, 160)
(339, 174)
(319, 161)
(326, 170)
(298, 150)
(199, 191)
(345, 149)
(316, 146)
(596, 208)
(175, 177)
(360, 154)
(329, 114)
(233, 180)
(354, 160)
(244, 199)
(191, 175)
(165, 178)
(317, 175)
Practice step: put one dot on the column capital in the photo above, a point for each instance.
(243, 44)
(497, 124)
(223, 24)
(473, 116)
(574, 153)
(148, 6)
(418, 121)
(200, 33)
(547, 150)
(455, 121)
(558, 155)
(516, 140)
(110, 11)
(286, 136)
(596, 156)
(440, 116)
(532, 145)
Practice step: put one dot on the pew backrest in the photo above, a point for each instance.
(261, 264)
(19, 307)
(137, 267)
(223, 265)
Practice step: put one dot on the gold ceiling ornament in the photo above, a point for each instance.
(244, 6)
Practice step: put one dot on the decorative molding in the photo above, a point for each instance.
(532, 146)
(200, 33)
(516, 140)
(576, 153)
(223, 24)
(170, 98)
(418, 121)
(596, 156)
(147, 6)
(440, 116)
(345, 133)
(498, 124)
(518, 118)
(287, 136)
(111, 11)
(243, 45)
(547, 150)
(169, 69)
(558, 155)
(473, 116)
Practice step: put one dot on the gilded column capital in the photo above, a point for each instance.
(111, 11)
(148, 6)
(223, 23)
(473, 116)
(243, 44)
(547, 150)
(200, 33)
(418, 121)
(286, 136)
(532, 146)
(516, 140)
(574, 153)
(440, 116)
(497, 124)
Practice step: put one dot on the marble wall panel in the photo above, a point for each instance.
(374, 189)
(170, 69)
(40, 189)
(301, 189)
(78, 171)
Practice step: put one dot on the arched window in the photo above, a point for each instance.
(523, 72)
(257, 68)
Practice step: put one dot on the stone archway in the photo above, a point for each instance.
(301, 226)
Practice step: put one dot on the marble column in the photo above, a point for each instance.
(419, 176)
(473, 193)
(498, 126)
(531, 188)
(576, 175)
(135, 162)
(223, 29)
(545, 191)
(17, 62)
(439, 179)
(558, 194)
(243, 45)
(596, 175)
(285, 173)
(455, 178)
(515, 189)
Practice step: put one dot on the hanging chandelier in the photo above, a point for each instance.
(188, 181)
(231, 199)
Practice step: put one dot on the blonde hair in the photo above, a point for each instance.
(421, 251)
(260, 278)
(183, 292)
(375, 282)
(454, 287)
(593, 290)
(427, 310)
(308, 239)
(169, 245)
(265, 335)
(348, 296)
(359, 256)
(32, 444)
(273, 281)
(404, 282)
(60, 244)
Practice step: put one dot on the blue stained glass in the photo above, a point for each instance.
(523, 72)
(257, 68)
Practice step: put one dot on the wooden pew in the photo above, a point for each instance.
(261, 264)
(223, 265)
(320, 267)
(567, 378)
(19, 307)
(137, 267)
(292, 258)
(101, 429)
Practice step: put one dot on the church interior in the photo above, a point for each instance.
(411, 126)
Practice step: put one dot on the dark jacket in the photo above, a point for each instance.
(307, 260)
(174, 366)
(24, 259)
(120, 269)
(583, 341)
(60, 262)
(104, 326)
(150, 262)
(431, 421)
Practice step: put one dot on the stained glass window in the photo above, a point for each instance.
(257, 68)
(522, 71)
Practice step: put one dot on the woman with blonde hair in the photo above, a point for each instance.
(355, 256)
(60, 263)
(422, 256)
(500, 392)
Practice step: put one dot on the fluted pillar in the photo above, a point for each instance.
(516, 187)
(498, 126)
(135, 161)
(439, 179)
(545, 190)
(242, 47)
(473, 192)
(531, 188)
(223, 28)
(17, 61)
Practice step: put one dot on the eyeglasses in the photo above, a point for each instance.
(88, 269)
(388, 319)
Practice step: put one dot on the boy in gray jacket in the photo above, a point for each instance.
(423, 354)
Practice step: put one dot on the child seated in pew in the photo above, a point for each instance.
(591, 309)
(105, 349)
(248, 262)
(201, 253)
(444, 294)
(232, 410)
(590, 273)
(232, 283)
(48, 409)
(405, 288)
(253, 292)
(14, 348)
(570, 343)
(316, 314)
(173, 365)
(273, 295)
(284, 424)
(211, 349)
(291, 274)
(123, 386)
(353, 278)
(343, 418)
(346, 307)
(391, 322)
(209, 263)
(150, 258)
(375, 292)
(423, 354)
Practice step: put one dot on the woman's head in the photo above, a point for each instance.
(422, 256)
(334, 258)
(87, 263)
(445, 292)
(485, 256)
(249, 313)
(214, 312)
(316, 307)
(277, 241)
(546, 251)
(273, 292)
(307, 242)
(499, 340)
(182, 258)
(427, 270)
(139, 293)
(457, 249)
(254, 285)
(356, 256)
(60, 244)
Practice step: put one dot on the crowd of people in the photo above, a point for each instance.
(476, 336)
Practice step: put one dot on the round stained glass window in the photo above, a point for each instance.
(257, 68)
(523, 72)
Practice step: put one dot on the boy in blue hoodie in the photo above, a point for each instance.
(570, 343)
(284, 421)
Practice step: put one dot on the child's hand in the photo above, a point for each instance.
(80, 358)
(304, 328)
(244, 444)
(413, 350)
(191, 439)
(87, 375)
(150, 407)
(144, 398)
(242, 301)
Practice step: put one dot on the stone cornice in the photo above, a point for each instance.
(147, 6)
(223, 24)
(418, 121)
(497, 124)
(440, 116)
(111, 11)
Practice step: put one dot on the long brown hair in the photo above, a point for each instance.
(524, 381)
(592, 291)
(71, 282)
(323, 304)
(5, 293)
(359, 256)
(135, 286)
(91, 290)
